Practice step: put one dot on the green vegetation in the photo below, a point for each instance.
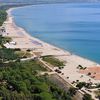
(72, 91)
(84, 84)
(81, 84)
(87, 97)
(98, 85)
(19, 80)
(22, 81)
(97, 93)
(23, 54)
(12, 55)
(3, 16)
(4, 40)
(7, 54)
(53, 61)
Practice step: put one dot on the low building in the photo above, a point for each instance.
(12, 43)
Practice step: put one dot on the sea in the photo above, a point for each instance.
(74, 27)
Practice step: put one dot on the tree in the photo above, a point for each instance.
(81, 84)
(72, 91)
(3, 16)
(21, 86)
(35, 89)
(66, 96)
(1, 76)
(46, 96)
(87, 97)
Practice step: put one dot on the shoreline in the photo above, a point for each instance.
(29, 36)
(19, 35)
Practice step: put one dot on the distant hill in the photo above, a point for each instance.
(45, 1)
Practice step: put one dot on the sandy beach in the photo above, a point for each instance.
(25, 41)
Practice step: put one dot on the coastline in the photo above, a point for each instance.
(28, 35)
(11, 20)
(24, 40)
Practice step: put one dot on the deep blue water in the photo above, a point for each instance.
(73, 27)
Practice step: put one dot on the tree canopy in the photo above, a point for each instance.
(3, 16)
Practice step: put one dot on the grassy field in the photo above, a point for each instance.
(53, 61)
(23, 54)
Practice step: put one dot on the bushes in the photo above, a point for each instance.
(21, 83)
(7, 54)
(81, 84)
(3, 16)
(53, 61)
(4, 40)
(87, 97)
(72, 91)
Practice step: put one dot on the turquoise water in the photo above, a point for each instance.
(73, 27)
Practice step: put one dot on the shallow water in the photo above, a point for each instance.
(73, 27)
